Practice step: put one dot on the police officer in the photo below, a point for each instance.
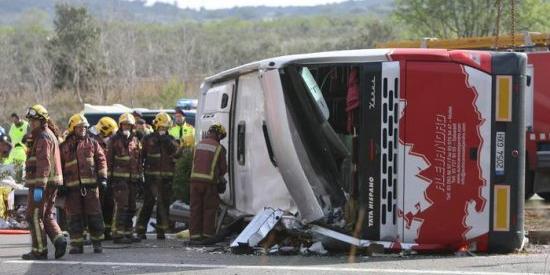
(182, 131)
(105, 128)
(43, 167)
(209, 168)
(158, 153)
(125, 173)
(84, 168)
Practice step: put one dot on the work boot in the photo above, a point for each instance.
(60, 245)
(87, 240)
(97, 247)
(76, 249)
(195, 242)
(107, 235)
(122, 240)
(134, 238)
(32, 256)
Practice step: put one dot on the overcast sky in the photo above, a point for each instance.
(220, 4)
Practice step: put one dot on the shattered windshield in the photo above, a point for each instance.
(315, 92)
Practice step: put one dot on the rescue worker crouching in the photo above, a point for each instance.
(106, 127)
(43, 176)
(158, 154)
(209, 168)
(125, 172)
(84, 169)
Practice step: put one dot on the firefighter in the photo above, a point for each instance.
(183, 132)
(158, 153)
(125, 173)
(106, 127)
(84, 169)
(142, 128)
(43, 176)
(207, 179)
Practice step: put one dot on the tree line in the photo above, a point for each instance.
(80, 59)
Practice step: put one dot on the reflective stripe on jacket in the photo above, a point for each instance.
(158, 155)
(124, 157)
(43, 166)
(83, 161)
(209, 161)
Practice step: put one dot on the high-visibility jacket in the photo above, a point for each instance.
(18, 154)
(83, 161)
(184, 134)
(209, 161)
(43, 164)
(18, 132)
(159, 155)
(124, 157)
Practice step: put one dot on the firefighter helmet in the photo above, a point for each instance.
(162, 120)
(106, 126)
(126, 118)
(37, 112)
(77, 120)
(219, 130)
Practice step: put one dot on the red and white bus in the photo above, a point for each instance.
(413, 148)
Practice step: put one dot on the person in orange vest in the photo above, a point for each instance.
(44, 176)
(84, 169)
(159, 150)
(207, 180)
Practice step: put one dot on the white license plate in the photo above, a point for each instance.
(499, 154)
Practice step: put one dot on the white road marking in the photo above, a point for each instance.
(272, 268)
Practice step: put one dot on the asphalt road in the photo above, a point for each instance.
(173, 256)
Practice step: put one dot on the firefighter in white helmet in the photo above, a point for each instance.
(125, 173)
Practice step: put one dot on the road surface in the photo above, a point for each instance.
(173, 256)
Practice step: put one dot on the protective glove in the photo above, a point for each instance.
(222, 185)
(37, 194)
(61, 191)
(102, 183)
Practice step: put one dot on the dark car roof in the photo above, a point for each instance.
(149, 116)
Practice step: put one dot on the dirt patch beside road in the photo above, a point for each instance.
(537, 215)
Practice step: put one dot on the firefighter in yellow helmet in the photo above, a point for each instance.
(207, 180)
(159, 150)
(43, 177)
(125, 173)
(105, 128)
(84, 170)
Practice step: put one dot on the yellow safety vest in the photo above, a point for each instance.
(184, 133)
(17, 133)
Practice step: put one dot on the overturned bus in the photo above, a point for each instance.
(421, 149)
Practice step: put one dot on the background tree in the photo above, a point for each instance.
(75, 49)
(468, 18)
